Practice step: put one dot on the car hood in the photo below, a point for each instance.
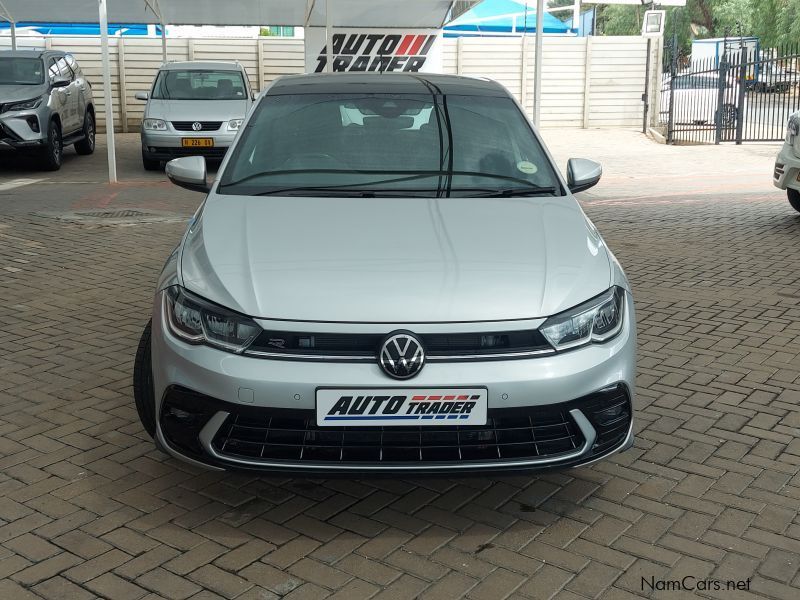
(19, 93)
(392, 260)
(196, 110)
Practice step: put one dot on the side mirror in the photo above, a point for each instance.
(142, 96)
(188, 172)
(583, 174)
(60, 82)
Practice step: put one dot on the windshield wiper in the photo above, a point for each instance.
(530, 190)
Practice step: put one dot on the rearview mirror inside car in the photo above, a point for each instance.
(141, 95)
(189, 172)
(583, 174)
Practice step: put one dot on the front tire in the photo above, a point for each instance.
(794, 199)
(86, 145)
(52, 154)
(143, 392)
(149, 164)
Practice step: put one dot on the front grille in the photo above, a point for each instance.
(509, 434)
(436, 345)
(206, 125)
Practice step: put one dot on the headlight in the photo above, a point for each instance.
(793, 130)
(198, 321)
(597, 320)
(234, 124)
(155, 124)
(27, 105)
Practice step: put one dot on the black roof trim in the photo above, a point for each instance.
(385, 83)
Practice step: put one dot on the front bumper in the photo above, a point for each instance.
(166, 145)
(787, 169)
(209, 402)
(22, 129)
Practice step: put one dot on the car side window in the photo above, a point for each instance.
(63, 68)
(52, 69)
(73, 65)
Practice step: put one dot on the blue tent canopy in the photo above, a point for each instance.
(76, 28)
(499, 17)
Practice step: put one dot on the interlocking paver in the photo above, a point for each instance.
(88, 507)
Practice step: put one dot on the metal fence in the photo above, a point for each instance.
(740, 93)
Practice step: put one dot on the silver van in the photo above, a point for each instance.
(193, 108)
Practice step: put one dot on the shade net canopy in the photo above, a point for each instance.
(345, 13)
(503, 17)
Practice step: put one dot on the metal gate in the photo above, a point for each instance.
(741, 93)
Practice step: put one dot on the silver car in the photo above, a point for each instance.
(786, 174)
(193, 108)
(45, 104)
(388, 275)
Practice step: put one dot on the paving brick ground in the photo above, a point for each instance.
(88, 507)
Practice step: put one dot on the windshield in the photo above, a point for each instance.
(21, 71)
(389, 144)
(199, 85)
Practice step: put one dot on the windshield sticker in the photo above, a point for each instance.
(527, 167)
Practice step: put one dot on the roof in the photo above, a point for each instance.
(22, 53)
(201, 64)
(503, 17)
(346, 13)
(385, 83)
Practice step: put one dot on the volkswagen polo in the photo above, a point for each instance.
(388, 274)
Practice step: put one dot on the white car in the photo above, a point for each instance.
(787, 164)
(697, 97)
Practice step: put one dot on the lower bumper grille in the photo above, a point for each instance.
(272, 439)
(164, 153)
(529, 434)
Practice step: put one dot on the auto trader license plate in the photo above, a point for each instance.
(197, 142)
(401, 407)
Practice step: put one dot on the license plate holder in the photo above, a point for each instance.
(401, 407)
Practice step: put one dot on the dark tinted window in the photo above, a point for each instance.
(420, 144)
(199, 85)
(21, 71)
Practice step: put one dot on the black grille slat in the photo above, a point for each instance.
(188, 125)
(367, 344)
(508, 434)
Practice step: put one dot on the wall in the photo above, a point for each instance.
(587, 82)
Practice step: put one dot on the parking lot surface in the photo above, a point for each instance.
(89, 508)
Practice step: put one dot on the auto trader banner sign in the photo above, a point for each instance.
(374, 50)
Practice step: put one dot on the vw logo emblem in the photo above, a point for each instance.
(401, 355)
(197, 126)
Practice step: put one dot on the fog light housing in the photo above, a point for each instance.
(612, 414)
(33, 123)
(184, 413)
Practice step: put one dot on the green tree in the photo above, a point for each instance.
(787, 22)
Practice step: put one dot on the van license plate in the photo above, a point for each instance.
(197, 142)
